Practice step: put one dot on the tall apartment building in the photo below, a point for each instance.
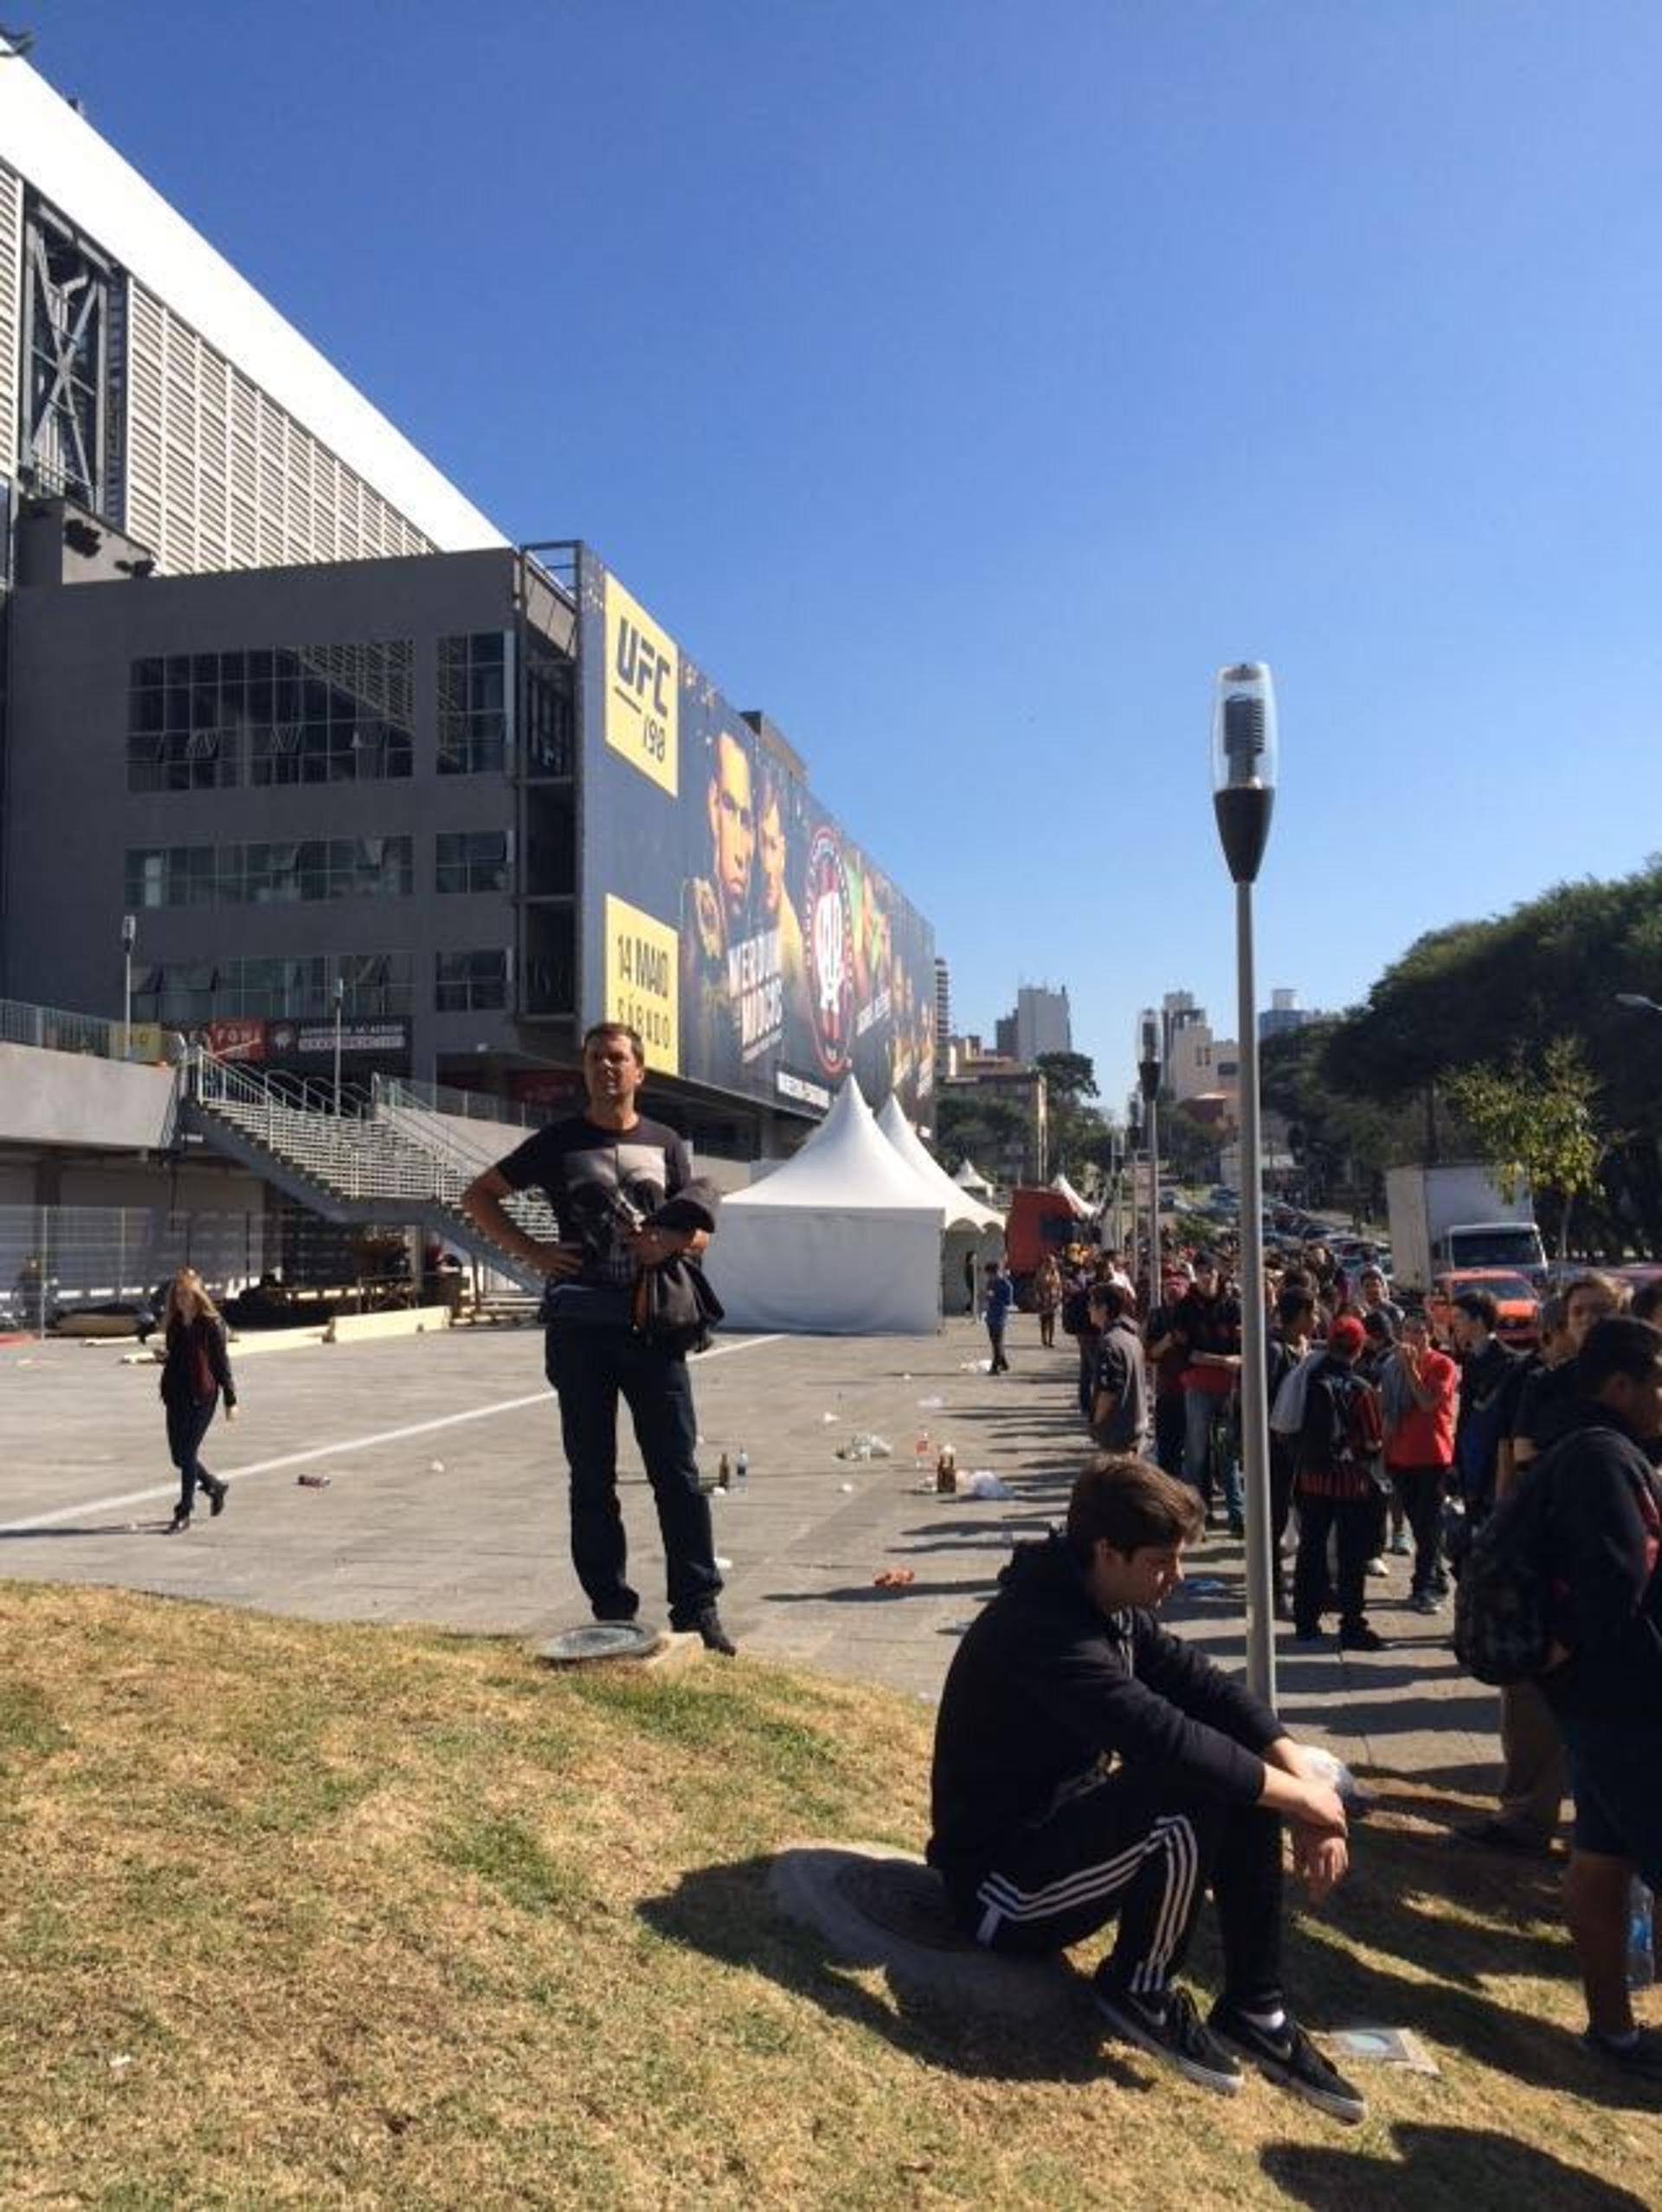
(1039, 1023)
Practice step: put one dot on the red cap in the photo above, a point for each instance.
(1347, 1335)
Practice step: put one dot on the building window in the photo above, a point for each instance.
(472, 982)
(472, 704)
(267, 875)
(298, 988)
(474, 860)
(309, 714)
(549, 721)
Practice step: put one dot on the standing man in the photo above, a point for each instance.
(1338, 1440)
(1418, 1394)
(1119, 1400)
(1533, 1776)
(622, 1192)
(1489, 1378)
(1208, 1325)
(1605, 1516)
(999, 1297)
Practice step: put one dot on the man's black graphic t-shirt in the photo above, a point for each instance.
(602, 1184)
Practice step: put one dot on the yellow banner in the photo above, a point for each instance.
(643, 682)
(643, 981)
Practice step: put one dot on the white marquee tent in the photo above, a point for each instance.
(843, 1240)
(973, 1232)
(1063, 1188)
(969, 1178)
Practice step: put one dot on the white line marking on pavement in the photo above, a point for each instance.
(330, 1451)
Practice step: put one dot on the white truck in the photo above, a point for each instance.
(1444, 1217)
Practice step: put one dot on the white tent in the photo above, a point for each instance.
(974, 1233)
(1063, 1188)
(963, 1209)
(969, 1178)
(843, 1240)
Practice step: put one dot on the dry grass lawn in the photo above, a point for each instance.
(303, 1916)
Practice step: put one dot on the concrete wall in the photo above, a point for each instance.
(73, 1098)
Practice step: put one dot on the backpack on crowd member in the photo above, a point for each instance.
(1076, 1313)
(1506, 1601)
(1341, 1428)
(1503, 1600)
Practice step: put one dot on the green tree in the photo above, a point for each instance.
(1071, 1076)
(1534, 1117)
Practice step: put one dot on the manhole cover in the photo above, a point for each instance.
(904, 1899)
(600, 1640)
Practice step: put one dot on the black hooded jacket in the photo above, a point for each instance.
(1045, 1687)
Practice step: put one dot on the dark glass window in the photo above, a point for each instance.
(473, 860)
(471, 982)
(472, 704)
(312, 714)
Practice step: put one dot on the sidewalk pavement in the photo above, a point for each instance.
(446, 1505)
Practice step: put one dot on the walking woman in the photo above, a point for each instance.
(1046, 1297)
(196, 1368)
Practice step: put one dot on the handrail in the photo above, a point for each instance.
(354, 1156)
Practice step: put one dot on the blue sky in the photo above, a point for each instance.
(963, 384)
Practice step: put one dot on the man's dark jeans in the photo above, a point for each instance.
(591, 1368)
(1352, 1520)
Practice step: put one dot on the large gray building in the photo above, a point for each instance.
(283, 708)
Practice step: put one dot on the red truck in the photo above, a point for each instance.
(1038, 1222)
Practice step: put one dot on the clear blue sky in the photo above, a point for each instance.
(963, 382)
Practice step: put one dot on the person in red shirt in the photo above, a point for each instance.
(1421, 1390)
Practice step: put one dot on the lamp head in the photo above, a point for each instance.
(1243, 763)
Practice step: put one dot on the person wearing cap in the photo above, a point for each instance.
(1338, 1444)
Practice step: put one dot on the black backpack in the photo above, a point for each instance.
(1076, 1313)
(1503, 1602)
(1341, 1426)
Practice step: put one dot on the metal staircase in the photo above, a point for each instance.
(353, 1165)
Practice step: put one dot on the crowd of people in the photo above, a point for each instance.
(1382, 1442)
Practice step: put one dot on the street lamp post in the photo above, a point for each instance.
(340, 993)
(129, 933)
(1147, 1072)
(1243, 793)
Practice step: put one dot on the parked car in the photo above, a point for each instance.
(1519, 1320)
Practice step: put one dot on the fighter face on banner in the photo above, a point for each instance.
(733, 989)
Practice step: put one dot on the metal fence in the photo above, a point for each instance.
(60, 1260)
(56, 1030)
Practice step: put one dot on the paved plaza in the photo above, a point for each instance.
(445, 1504)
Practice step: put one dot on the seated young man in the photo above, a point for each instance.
(1040, 1841)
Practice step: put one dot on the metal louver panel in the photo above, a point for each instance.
(11, 263)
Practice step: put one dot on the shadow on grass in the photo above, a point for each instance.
(728, 1913)
(1439, 2166)
(1440, 1995)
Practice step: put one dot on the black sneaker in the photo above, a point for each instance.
(1361, 1638)
(1287, 2056)
(216, 1498)
(1175, 2033)
(1642, 2058)
(707, 1627)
